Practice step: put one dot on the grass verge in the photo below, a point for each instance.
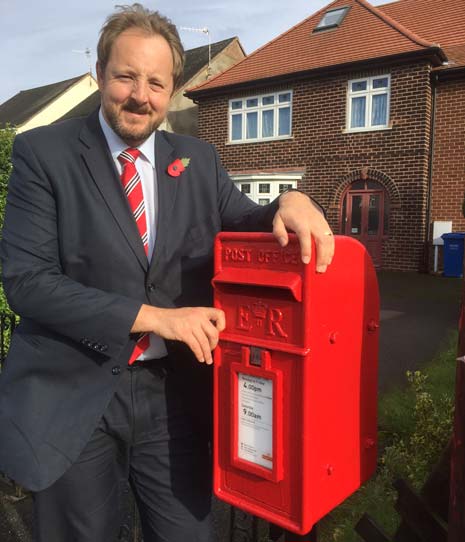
(415, 424)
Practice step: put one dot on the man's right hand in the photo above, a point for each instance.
(198, 327)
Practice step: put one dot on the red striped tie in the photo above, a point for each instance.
(132, 185)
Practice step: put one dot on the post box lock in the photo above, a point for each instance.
(256, 356)
(333, 337)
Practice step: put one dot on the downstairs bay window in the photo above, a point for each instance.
(265, 187)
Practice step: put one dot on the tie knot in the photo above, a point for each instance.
(129, 155)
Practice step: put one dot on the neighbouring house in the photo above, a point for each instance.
(44, 105)
(201, 63)
(361, 107)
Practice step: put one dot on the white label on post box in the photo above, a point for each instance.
(255, 404)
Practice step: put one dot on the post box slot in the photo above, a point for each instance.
(262, 278)
(256, 292)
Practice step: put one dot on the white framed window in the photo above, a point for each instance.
(264, 188)
(368, 103)
(260, 118)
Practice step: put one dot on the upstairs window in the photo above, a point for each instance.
(260, 118)
(368, 103)
(331, 19)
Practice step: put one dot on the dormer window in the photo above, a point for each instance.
(331, 19)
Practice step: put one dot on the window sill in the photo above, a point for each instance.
(254, 141)
(363, 130)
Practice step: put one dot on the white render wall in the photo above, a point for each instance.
(63, 103)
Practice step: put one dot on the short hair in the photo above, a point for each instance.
(148, 22)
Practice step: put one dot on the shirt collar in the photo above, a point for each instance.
(117, 145)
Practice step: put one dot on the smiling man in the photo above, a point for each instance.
(107, 258)
(136, 81)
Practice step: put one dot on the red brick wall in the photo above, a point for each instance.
(449, 153)
(398, 157)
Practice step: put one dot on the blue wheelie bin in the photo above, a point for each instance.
(453, 254)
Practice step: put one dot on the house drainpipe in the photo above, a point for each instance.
(430, 176)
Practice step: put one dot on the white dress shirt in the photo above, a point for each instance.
(145, 165)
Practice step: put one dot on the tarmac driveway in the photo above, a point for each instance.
(418, 314)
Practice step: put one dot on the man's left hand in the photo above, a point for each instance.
(297, 213)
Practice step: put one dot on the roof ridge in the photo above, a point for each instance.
(215, 51)
(389, 3)
(211, 44)
(198, 87)
(70, 81)
(396, 25)
(403, 2)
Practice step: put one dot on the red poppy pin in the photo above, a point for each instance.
(178, 166)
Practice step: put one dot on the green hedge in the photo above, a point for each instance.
(7, 136)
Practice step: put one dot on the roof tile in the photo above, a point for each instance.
(441, 21)
(366, 33)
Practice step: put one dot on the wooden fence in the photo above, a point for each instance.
(457, 480)
(437, 514)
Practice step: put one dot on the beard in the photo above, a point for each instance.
(133, 135)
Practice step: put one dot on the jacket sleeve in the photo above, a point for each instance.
(33, 278)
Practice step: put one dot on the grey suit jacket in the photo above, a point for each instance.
(75, 270)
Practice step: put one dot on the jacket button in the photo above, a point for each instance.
(116, 370)
(150, 287)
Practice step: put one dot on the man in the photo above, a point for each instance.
(107, 252)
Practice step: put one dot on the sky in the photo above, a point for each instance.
(39, 38)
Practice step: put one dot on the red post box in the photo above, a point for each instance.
(295, 378)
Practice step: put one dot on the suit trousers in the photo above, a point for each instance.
(146, 436)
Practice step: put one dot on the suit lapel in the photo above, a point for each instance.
(100, 164)
(167, 188)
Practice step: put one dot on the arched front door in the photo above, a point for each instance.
(365, 214)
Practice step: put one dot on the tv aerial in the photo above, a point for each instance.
(88, 54)
(206, 31)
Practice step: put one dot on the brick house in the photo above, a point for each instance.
(363, 108)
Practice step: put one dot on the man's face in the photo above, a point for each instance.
(136, 85)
